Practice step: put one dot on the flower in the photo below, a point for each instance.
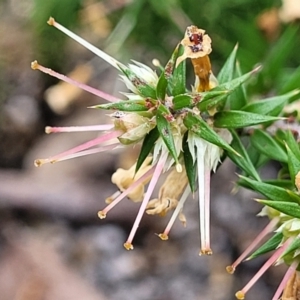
(285, 244)
(177, 133)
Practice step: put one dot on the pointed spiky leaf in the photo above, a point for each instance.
(213, 99)
(283, 183)
(124, 105)
(264, 143)
(258, 159)
(238, 98)
(242, 161)
(292, 248)
(271, 106)
(289, 208)
(290, 140)
(147, 146)
(235, 83)
(166, 75)
(239, 119)
(165, 130)
(227, 71)
(190, 166)
(268, 246)
(292, 82)
(270, 191)
(203, 130)
(293, 163)
(178, 80)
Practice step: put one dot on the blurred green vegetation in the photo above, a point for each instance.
(147, 29)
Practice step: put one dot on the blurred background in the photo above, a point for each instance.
(52, 244)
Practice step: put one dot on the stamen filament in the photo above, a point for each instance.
(164, 235)
(241, 294)
(36, 66)
(86, 44)
(87, 145)
(207, 212)
(90, 151)
(285, 279)
(102, 213)
(104, 127)
(158, 170)
(257, 240)
(204, 201)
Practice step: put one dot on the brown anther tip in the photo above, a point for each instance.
(101, 214)
(230, 269)
(51, 21)
(163, 236)
(48, 129)
(128, 246)
(38, 163)
(109, 200)
(205, 252)
(240, 295)
(34, 65)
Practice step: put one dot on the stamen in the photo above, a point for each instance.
(206, 238)
(90, 151)
(204, 201)
(36, 66)
(87, 145)
(257, 240)
(104, 127)
(86, 44)
(241, 294)
(164, 235)
(158, 170)
(102, 213)
(285, 279)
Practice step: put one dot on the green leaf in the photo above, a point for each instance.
(147, 146)
(291, 142)
(207, 99)
(144, 89)
(166, 75)
(238, 98)
(203, 130)
(235, 83)
(264, 143)
(294, 246)
(293, 163)
(190, 166)
(165, 130)
(178, 80)
(268, 246)
(239, 119)
(286, 184)
(270, 191)
(185, 101)
(258, 159)
(124, 105)
(292, 82)
(289, 208)
(227, 71)
(242, 161)
(271, 106)
(212, 99)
